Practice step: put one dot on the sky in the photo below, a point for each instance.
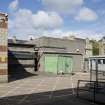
(55, 18)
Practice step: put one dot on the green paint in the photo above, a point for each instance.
(57, 63)
(51, 63)
(61, 64)
(64, 64)
(68, 64)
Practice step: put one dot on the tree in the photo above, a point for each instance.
(95, 45)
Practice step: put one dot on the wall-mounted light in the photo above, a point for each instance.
(77, 50)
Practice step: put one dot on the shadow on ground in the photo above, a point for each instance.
(60, 97)
(18, 76)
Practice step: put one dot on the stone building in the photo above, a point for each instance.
(102, 46)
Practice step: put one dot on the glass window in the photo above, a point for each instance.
(99, 61)
(103, 61)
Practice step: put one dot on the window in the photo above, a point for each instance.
(103, 61)
(99, 61)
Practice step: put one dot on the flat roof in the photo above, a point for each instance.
(47, 37)
(21, 43)
(97, 57)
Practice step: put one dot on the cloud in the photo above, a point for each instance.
(47, 20)
(77, 33)
(58, 33)
(86, 14)
(13, 5)
(62, 6)
(87, 34)
(25, 22)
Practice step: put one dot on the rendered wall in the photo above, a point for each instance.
(68, 45)
(77, 63)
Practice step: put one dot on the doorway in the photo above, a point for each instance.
(64, 64)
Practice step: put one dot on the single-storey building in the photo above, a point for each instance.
(56, 55)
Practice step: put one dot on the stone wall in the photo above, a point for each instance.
(3, 48)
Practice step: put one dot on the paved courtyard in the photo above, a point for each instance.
(42, 90)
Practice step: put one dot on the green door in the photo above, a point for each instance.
(51, 63)
(61, 64)
(64, 64)
(68, 64)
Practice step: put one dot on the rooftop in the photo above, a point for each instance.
(19, 42)
(67, 38)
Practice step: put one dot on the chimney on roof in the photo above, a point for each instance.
(31, 37)
(14, 39)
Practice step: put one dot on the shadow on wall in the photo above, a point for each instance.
(15, 69)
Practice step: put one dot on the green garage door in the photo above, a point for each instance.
(55, 63)
(51, 63)
(64, 64)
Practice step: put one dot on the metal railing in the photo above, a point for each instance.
(93, 87)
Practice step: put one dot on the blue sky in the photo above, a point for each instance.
(57, 18)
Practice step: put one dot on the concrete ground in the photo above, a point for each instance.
(43, 90)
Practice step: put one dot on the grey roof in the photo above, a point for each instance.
(96, 57)
(20, 42)
(17, 41)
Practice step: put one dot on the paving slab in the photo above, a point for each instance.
(42, 90)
